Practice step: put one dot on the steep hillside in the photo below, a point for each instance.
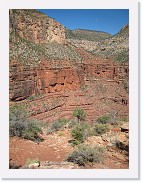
(36, 27)
(115, 48)
(124, 32)
(35, 37)
(90, 35)
(102, 44)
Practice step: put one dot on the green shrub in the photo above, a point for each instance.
(18, 112)
(100, 129)
(122, 56)
(17, 119)
(19, 124)
(32, 130)
(72, 123)
(58, 125)
(80, 114)
(103, 119)
(27, 129)
(80, 133)
(124, 119)
(86, 154)
(16, 128)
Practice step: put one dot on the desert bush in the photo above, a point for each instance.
(32, 130)
(33, 97)
(86, 154)
(60, 134)
(100, 129)
(17, 119)
(18, 112)
(124, 119)
(19, 124)
(16, 128)
(103, 119)
(72, 123)
(111, 118)
(58, 125)
(122, 56)
(27, 129)
(80, 114)
(80, 133)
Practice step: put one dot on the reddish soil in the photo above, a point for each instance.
(56, 148)
(53, 148)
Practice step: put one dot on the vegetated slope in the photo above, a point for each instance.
(102, 44)
(124, 32)
(90, 35)
(116, 47)
(35, 37)
(36, 27)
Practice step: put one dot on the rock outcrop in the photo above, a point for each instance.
(26, 81)
(36, 27)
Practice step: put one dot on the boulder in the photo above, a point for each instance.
(125, 127)
(34, 165)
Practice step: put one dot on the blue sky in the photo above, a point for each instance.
(106, 20)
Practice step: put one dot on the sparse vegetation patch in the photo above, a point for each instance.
(100, 129)
(86, 154)
(21, 126)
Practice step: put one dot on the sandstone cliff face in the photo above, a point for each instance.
(50, 77)
(26, 81)
(37, 27)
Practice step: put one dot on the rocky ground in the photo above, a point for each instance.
(53, 151)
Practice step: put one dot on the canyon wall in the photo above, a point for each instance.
(36, 27)
(26, 81)
(49, 77)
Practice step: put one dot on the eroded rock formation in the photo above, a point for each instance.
(36, 27)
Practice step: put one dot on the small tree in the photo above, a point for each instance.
(80, 114)
(80, 133)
